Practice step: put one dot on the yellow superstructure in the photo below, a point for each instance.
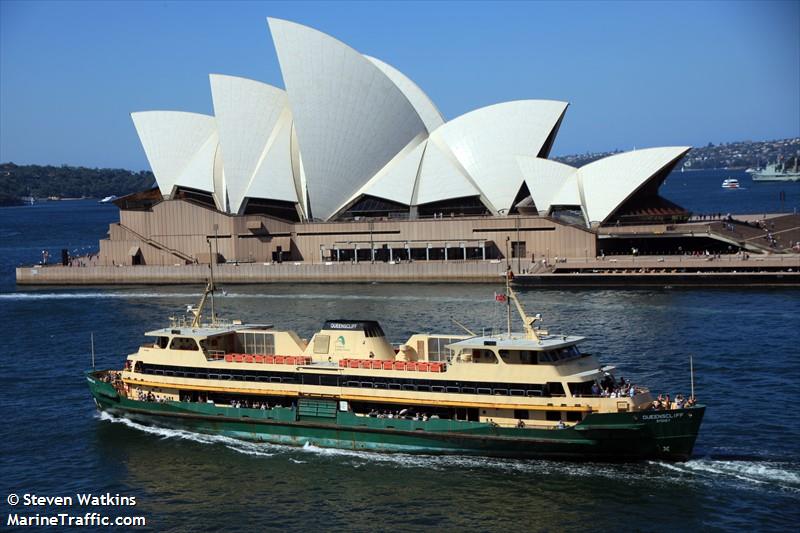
(511, 379)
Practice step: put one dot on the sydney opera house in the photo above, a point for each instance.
(352, 161)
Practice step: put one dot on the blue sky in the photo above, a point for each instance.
(635, 73)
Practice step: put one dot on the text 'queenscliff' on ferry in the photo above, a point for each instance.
(529, 394)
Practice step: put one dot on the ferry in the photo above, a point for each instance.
(730, 183)
(529, 394)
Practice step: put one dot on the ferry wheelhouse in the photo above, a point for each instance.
(528, 394)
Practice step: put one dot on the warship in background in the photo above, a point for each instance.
(780, 171)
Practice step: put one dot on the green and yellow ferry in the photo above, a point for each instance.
(529, 395)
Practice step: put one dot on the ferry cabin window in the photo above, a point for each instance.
(574, 416)
(484, 356)
(553, 416)
(581, 389)
(220, 343)
(553, 388)
(322, 343)
(437, 350)
(183, 343)
(162, 342)
(519, 357)
(253, 342)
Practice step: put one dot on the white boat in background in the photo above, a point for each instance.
(731, 183)
(107, 199)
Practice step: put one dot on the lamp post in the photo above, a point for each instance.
(216, 242)
(519, 258)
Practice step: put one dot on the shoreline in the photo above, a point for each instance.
(734, 271)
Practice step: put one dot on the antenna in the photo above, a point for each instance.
(211, 281)
(92, 337)
(691, 373)
(508, 300)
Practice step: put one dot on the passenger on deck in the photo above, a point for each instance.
(520, 424)
(656, 405)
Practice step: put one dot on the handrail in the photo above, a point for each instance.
(158, 245)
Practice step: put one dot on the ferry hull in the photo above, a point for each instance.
(658, 435)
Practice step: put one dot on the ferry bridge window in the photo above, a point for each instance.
(437, 350)
(570, 352)
(484, 356)
(560, 354)
(162, 342)
(183, 343)
(253, 342)
(373, 330)
(519, 357)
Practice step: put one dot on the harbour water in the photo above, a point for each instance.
(745, 344)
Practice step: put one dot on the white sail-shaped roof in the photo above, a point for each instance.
(396, 180)
(171, 141)
(220, 190)
(350, 125)
(274, 177)
(569, 193)
(425, 107)
(608, 182)
(441, 178)
(544, 179)
(199, 171)
(299, 174)
(351, 119)
(248, 114)
(486, 142)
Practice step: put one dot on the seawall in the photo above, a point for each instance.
(466, 272)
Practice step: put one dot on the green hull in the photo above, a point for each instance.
(660, 435)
